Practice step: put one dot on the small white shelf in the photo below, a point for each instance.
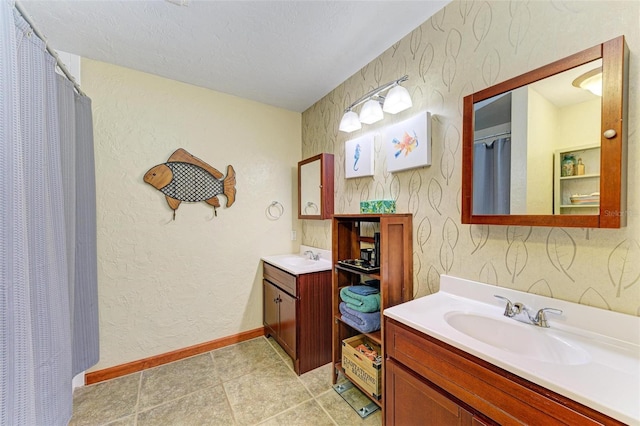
(579, 206)
(591, 175)
(565, 186)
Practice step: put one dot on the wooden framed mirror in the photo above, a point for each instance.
(315, 187)
(515, 141)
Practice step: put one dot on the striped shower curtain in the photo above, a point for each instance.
(48, 284)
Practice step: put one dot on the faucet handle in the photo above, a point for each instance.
(509, 310)
(312, 255)
(541, 317)
(497, 296)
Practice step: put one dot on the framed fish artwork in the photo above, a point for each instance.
(408, 143)
(358, 159)
(186, 178)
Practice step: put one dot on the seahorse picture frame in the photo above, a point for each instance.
(408, 143)
(358, 158)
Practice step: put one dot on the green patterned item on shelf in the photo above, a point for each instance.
(378, 206)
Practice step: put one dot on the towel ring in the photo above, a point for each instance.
(275, 210)
(311, 204)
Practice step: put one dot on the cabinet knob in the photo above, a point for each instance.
(610, 133)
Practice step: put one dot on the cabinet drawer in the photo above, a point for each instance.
(282, 279)
(496, 393)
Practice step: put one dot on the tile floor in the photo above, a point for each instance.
(249, 383)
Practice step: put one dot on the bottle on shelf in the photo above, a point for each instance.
(580, 167)
(568, 165)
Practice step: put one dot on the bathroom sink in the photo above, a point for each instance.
(587, 354)
(541, 344)
(298, 261)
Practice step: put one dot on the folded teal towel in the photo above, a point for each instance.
(358, 302)
(363, 290)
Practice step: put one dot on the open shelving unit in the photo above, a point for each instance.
(351, 233)
(566, 186)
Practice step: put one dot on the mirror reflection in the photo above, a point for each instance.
(536, 148)
(310, 188)
(315, 187)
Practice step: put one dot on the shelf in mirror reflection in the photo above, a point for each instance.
(591, 175)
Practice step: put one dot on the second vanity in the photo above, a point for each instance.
(456, 356)
(297, 305)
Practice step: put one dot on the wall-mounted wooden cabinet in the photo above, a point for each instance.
(315, 187)
(479, 179)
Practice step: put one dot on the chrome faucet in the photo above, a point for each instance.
(541, 318)
(512, 309)
(312, 255)
(520, 312)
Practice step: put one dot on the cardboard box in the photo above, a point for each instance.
(378, 206)
(359, 368)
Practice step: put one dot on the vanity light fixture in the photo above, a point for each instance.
(371, 112)
(350, 122)
(396, 100)
(591, 81)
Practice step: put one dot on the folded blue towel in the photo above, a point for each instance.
(361, 321)
(363, 290)
(370, 303)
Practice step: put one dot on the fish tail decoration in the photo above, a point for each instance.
(229, 184)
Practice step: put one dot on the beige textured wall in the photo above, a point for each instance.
(166, 285)
(465, 47)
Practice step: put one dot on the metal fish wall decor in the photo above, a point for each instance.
(187, 178)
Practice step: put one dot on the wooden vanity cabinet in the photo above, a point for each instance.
(413, 401)
(447, 386)
(297, 314)
(280, 317)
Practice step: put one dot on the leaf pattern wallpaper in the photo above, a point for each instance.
(463, 48)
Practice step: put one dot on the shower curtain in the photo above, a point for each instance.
(48, 284)
(492, 177)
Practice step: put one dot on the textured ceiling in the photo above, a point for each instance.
(284, 53)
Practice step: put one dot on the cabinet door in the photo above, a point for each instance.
(410, 401)
(270, 308)
(287, 305)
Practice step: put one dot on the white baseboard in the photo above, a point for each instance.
(78, 381)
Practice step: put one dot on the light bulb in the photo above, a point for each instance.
(371, 112)
(398, 99)
(591, 81)
(350, 122)
(593, 84)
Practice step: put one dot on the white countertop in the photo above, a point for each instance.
(606, 379)
(284, 261)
